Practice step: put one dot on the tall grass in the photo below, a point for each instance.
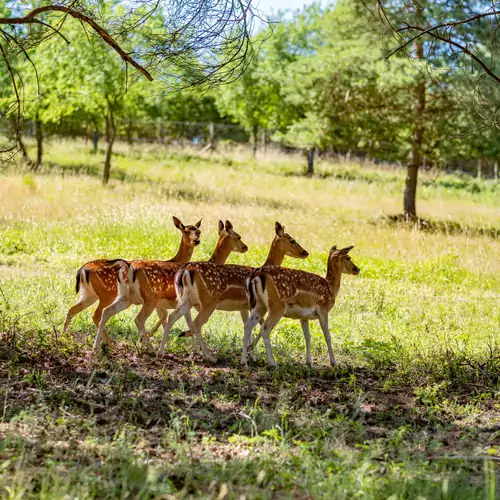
(411, 411)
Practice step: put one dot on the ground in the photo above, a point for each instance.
(411, 411)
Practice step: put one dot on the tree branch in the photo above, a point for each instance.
(31, 19)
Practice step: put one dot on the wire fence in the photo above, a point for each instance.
(216, 136)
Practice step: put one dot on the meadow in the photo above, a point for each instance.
(411, 411)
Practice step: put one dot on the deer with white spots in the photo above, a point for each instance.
(207, 287)
(290, 293)
(98, 280)
(151, 283)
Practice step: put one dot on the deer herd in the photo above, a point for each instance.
(180, 285)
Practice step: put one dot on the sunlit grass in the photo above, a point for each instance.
(419, 325)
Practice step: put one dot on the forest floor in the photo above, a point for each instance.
(411, 411)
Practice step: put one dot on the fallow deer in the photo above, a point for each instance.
(151, 283)
(97, 280)
(208, 287)
(295, 294)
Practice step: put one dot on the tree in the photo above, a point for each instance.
(447, 30)
(195, 43)
(251, 101)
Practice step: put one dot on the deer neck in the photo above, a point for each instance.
(276, 254)
(221, 251)
(184, 253)
(333, 276)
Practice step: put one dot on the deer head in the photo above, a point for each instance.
(287, 245)
(231, 238)
(190, 234)
(342, 261)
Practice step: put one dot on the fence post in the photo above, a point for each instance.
(479, 168)
(495, 170)
(161, 132)
(211, 138)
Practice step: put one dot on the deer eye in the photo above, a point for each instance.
(293, 242)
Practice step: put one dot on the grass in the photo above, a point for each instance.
(411, 412)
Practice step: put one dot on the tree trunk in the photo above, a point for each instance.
(24, 151)
(310, 162)
(410, 192)
(255, 140)
(264, 141)
(107, 129)
(111, 139)
(95, 139)
(39, 144)
(495, 170)
(479, 168)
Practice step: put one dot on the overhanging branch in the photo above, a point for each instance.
(31, 18)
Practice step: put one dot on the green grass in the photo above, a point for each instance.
(411, 411)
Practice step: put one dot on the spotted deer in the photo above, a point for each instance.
(295, 294)
(207, 287)
(151, 283)
(97, 280)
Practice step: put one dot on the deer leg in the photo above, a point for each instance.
(271, 321)
(307, 335)
(119, 304)
(194, 341)
(255, 341)
(244, 316)
(142, 317)
(162, 317)
(189, 333)
(255, 317)
(175, 315)
(83, 302)
(196, 325)
(96, 318)
(323, 321)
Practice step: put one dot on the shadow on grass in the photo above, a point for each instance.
(448, 227)
(365, 176)
(117, 173)
(169, 191)
(143, 390)
(455, 183)
(66, 396)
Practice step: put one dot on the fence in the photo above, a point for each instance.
(212, 135)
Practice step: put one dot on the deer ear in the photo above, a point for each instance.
(333, 249)
(346, 250)
(229, 226)
(198, 224)
(221, 226)
(177, 223)
(280, 230)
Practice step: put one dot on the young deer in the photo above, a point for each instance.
(208, 287)
(295, 294)
(151, 283)
(98, 280)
